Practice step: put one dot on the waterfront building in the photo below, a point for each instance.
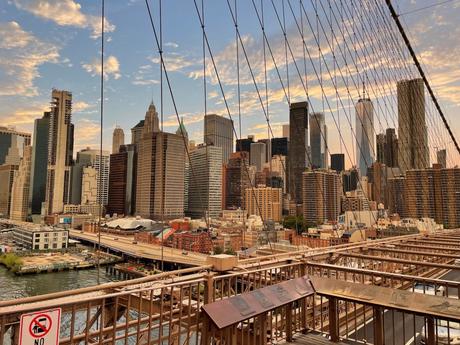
(37, 190)
(20, 188)
(338, 162)
(118, 139)
(266, 202)
(205, 192)
(413, 152)
(297, 154)
(122, 181)
(60, 152)
(41, 238)
(364, 134)
(218, 131)
(12, 144)
(321, 191)
(318, 141)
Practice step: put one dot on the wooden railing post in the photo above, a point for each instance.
(379, 332)
(289, 322)
(209, 288)
(431, 337)
(303, 302)
(333, 319)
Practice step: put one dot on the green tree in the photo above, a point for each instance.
(218, 250)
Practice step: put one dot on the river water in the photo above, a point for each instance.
(13, 286)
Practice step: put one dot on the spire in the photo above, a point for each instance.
(151, 119)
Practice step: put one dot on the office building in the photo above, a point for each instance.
(20, 188)
(396, 196)
(338, 162)
(258, 155)
(244, 144)
(60, 152)
(387, 148)
(286, 131)
(39, 163)
(364, 134)
(298, 142)
(321, 191)
(279, 146)
(377, 176)
(6, 186)
(450, 197)
(441, 158)
(89, 186)
(350, 180)
(236, 179)
(160, 175)
(41, 238)
(266, 202)
(136, 132)
(278, 169)
(205, 191)
(218, 131)
(318, 141)
(122, 181)
(413, 152)
(118, 139)
(91, 158)
(12, 144)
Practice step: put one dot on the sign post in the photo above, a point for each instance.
(40, 327)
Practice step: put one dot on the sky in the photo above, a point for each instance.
(47, 44)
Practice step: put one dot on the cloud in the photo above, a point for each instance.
(65, 13)
(80, 106)
(111, 67)
(176, 62)
(24, 117)
(171, 44)
(21, 55)
(87, 133)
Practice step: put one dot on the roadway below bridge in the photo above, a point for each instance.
(127, 246)
(400, 329)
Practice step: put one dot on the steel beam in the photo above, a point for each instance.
(413, 252)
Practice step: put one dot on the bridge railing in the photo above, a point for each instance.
(167, 310)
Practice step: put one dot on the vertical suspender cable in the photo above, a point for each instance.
(100, 145)
(163, 187)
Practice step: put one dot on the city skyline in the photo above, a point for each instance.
(129, 91)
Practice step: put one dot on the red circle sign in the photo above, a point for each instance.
(40, 326)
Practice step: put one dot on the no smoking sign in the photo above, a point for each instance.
(40, 328)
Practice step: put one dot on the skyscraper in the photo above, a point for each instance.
(258, 155)
(412, 130)
(381, 147)
(387, 148)
(244, 144)
(364, 134)
(136, 132)
(338, 162)
(441, 158)
(236, 180)
(298, 142)
(12, 144)
(321, 196)
(20, 189)
(118, 139)
(160, 172)
(286, 131)
(318, 141)
(6, 187)
(39, 163)
(218, 131)
(60, 151)
(91, 158)
(279, 146)
(205, 193)
(122, 181)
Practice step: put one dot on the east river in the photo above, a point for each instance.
(13, 286)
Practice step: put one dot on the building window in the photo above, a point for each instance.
(36, 246)
(45, 246)
(54, 245)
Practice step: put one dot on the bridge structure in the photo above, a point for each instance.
(364, 292)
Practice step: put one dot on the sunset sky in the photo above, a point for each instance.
(56, 43)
